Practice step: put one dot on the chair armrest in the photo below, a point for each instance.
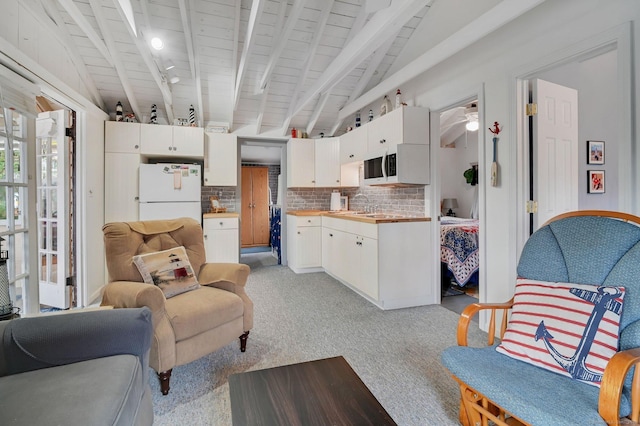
(472, 309)
(230, 277)
(236, 273)
(39, 342)
(132, 294)
(612, 383)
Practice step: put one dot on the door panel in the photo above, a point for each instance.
(255, 228)
(555, 135)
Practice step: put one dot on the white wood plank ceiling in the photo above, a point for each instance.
(258, 67)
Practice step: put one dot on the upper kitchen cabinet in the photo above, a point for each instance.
(221, 159)
(402, 125)
(301, 170)
(327, 162)
(171, 141)
(121, 137)
(353, 145)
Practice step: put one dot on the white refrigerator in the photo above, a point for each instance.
(170, 191)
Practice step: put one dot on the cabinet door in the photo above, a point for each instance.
(301, 163)
(188, 141)
(121, 137)
(353, 145)
(121, 187)
(156, 139)
(221, 159)
(327, 162)
(309, 246)
(385, 131)
(329, 250)
(368, 267)
(221, 240)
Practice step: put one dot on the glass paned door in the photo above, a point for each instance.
(13, 197)
(52, 208)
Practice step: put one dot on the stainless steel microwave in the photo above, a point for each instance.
(398, 164)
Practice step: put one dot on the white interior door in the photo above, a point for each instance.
(52, 207)
(555, 153)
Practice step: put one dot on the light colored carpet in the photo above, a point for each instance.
(311, 316)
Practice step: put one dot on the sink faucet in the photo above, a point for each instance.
(367, 208)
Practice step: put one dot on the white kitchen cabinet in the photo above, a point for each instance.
(188, 141)
(301, 171)
(327, 162)
(402, 125)
(387, 263)
(171, 141)
(221, 159)
(221, 239)
(304, 243)
(121, 187)
(121, 137)
(353, 145)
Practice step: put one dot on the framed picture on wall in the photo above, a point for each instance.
(595, 152)
(596, 182)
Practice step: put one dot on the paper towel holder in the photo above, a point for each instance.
(344, 202)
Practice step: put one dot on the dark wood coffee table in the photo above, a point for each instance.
(323, 392)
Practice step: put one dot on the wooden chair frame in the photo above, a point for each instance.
(477, 409)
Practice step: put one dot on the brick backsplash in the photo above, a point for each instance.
(405, 200)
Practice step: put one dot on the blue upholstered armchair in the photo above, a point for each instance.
(594, 258)
(80, 368)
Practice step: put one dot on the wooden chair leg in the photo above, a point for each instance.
(164, 377)
(243, 341)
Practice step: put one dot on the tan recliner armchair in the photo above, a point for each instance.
(189, 325)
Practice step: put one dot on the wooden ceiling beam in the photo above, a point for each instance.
(315, 42)
(249, 41)
(86, 28)
(484, 24)
(49, 16)
(359, 22)
(234, 61)
(264, 92)
(96, 6)
(143, 48)
(292, 19)
(372, 36)
(188, 16)
(372, 66)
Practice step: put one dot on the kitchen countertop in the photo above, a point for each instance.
(220, 215)
(374, 218)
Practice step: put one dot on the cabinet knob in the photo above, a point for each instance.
(205, 236)
(331, 235)
(206, 179)
(298, 232)
(383, 140)
(136, 146)
(351, 155)
(170, 149)
(337, 180)
(220, 223)
(136, 198)
(175, 148)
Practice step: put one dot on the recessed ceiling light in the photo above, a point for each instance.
(157, 43)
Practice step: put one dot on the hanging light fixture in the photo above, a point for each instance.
(472, 118)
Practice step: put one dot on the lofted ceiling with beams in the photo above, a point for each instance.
(257, 67)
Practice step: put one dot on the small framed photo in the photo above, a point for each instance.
(595, 152)
(596, 182)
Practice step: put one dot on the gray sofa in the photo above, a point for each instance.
(85, 368)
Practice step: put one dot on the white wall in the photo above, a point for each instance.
(454, 160)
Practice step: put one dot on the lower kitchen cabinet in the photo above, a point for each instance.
(387, 263)
(221, 239)
(304, 242)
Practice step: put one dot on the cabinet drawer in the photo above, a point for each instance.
(309, 221)
(213, 224)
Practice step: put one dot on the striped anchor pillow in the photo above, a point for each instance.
(570, 329)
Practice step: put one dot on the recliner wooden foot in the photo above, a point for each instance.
(164, 377)
(243, 341)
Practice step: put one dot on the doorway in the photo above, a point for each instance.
(254, 228)
(458, 199)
